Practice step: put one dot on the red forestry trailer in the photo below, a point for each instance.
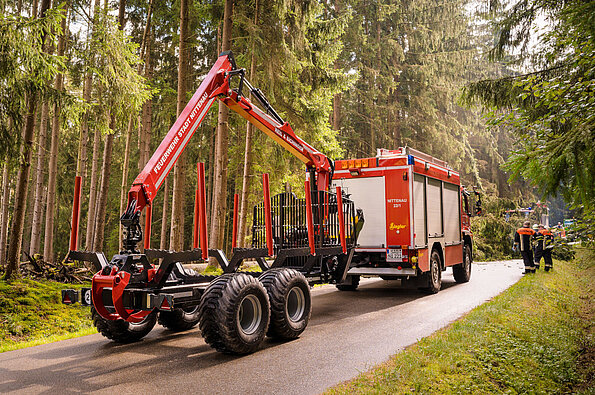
(296, 242)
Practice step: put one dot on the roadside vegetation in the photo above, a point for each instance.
(536, 337)
(31, 313)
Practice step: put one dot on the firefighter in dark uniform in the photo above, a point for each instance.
(543, 247)
(522, 241)
(536, 237)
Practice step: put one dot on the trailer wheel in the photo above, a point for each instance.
(350, 284)
(434, 276)
(234, 314)
(122, 331)
(462, 271)
(180, 319)
(291, 304)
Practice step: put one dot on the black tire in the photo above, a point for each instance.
(351, 283)
(180, 319)
(462, 271)
(291, 303)
(121, 331)
(434, 275)
(234, 314)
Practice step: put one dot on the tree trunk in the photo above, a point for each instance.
(91, 220)
(124, 187)
(89, 236)
(38, 209)
(176, 240)
(219, 204)
(103, 192)
(144, 141)
(4, 212)
(48, 244)
(211, 169)
(26, 242)
(163, 240)
(18, 214)
(246, 184)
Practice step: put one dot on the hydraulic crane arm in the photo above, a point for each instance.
(216, 85)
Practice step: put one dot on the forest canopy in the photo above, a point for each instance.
(89, 88)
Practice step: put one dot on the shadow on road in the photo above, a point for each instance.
(371, 297)
(95, 364)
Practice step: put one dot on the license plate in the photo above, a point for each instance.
(394, 255)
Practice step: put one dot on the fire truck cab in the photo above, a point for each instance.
(416, 218)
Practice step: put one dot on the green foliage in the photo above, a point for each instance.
(492, 234)
(492, 237)
(123, 89)
(32, 310)
(551, 111)
(530, 339)
(563, 251)
(25, 69)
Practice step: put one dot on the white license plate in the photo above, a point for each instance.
(394, 255)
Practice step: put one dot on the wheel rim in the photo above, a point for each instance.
(467, 261)
(249, 315)
(190, 310)
(296, 304)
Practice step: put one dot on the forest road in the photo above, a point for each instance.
(349, 333)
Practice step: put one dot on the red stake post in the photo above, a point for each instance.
(76, 208)
(267, 213)
(202, 211)
(309, 219)
(234, 235)
(148, 220)
(341, 220)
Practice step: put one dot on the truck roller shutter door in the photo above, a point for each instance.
(434, 196)
(419, 210)
(452, 222)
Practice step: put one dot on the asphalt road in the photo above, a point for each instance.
(349, 333)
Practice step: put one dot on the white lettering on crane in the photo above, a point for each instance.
(173, 146)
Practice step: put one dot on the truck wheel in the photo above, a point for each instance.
(350, 284)
(234, 314)
(180, 319)
(434, 276)
(462, 271)
(289, 294)
(122, 331)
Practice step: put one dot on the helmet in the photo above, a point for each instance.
(535, 227)
(526, 224)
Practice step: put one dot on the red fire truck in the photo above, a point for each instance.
(416, 218)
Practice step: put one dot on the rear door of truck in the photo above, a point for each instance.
(368, 193)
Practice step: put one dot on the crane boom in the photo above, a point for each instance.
(216, 85)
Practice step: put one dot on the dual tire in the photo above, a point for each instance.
(291, 307)
(179, 319)
(462, 271)
(237, 311)
(122, 331)
(433, 278)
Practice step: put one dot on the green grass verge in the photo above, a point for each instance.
(31, 313)
(536, 337)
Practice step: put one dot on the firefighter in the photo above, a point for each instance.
(537, 243)
(522, 242)
(544, 246)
